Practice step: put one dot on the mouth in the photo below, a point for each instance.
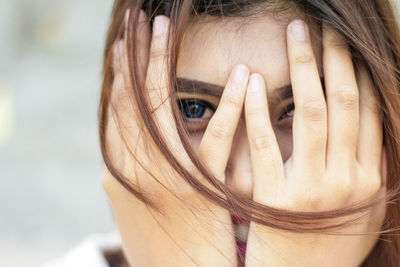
(241, 228)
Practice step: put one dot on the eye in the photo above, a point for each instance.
(195, 112)
(193, 108)
(288, 112)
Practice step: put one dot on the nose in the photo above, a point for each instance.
(238, 173)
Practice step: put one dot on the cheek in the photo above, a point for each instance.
(384, 167)
(195, 139)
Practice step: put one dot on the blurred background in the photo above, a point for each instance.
(50, 164)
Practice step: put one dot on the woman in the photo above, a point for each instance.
(209, 163)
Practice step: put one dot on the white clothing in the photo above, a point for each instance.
(89, 253)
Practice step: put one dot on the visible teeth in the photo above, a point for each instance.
(241, 233)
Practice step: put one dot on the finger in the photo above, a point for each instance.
(216, 143)
(119, 48)
(310, 119)
(266, 158)
(342, 98)
(122, 98)
(369, 151)
(143, 43)
(124, 126)
(118, 51)
(157, 72)
(157, 85)
(142, 46)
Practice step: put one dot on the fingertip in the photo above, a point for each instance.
(256, 83)
(142, 19)
(160, 25)
(256, 97)
(242, 66)
(117, 54)
(240, 74)
(298, 30)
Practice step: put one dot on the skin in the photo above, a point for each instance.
(335, 160)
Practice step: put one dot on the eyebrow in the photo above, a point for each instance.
(203, 88)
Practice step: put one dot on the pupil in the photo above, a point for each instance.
(194, 110)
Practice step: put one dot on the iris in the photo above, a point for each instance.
(193, 108)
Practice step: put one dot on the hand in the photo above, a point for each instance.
(336, 159)
(194, 231)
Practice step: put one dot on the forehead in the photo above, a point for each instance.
(209, 50)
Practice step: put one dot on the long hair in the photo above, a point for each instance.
(372, 32)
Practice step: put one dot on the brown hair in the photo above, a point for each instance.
(370, 28)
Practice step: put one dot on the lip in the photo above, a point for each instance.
(240, 245)
(236, 219)
(241, 250)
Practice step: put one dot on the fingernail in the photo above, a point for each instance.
(254, 84)
(299, 30)
(240, 73)
(160, 25)
(142, 16)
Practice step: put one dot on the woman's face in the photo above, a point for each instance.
(209, 51)
(208, 54)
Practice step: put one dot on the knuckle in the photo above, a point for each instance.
(343, 190)
(314, 110)
(157, 55)
(314, 202)
(340, 188)
(233, 101)
(347, 97)
(305, 58)
(220, 131)
(159, 48)
(262, 143)
(337, 42)
(307, 200)
(157, 85)
(372, 184)
(256, 111)
(374, 106)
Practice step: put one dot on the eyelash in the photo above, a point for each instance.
(289, 109)
(195, 112)
(196, 120)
